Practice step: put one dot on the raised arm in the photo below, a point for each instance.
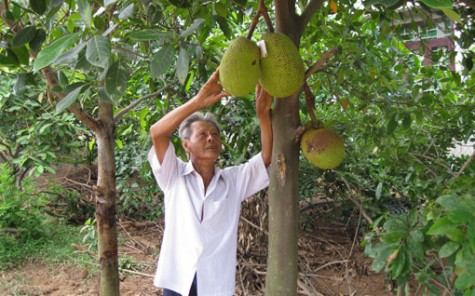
(161, 131)
(263, 109)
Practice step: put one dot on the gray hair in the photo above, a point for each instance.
(185, 131)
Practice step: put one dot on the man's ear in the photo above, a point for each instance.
(185, 144)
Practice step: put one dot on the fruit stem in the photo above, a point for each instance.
(310, 102)
(262, 10)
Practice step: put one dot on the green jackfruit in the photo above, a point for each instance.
(239, 68)
(324, 148)
(282, 71)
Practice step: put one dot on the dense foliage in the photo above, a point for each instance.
(398, 116)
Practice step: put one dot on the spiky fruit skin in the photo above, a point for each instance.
(239, 67)
(282, 71)
(324, 148)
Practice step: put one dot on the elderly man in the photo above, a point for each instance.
(203, 202)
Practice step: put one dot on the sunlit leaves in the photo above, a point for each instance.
(98, 51)
(438, 3)
(50, 53)
(85, 11)
(192, 28)
(127, 12)
(451, 14)
(162, 61)
(182, 65)
(70, 98)
(147, 35)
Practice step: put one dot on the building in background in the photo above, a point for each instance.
(431, 35)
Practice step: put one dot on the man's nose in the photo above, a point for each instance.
(210, 138)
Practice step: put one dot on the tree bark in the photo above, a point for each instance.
(282, 261)
(106, 196)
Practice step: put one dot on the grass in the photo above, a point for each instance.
(53, 247)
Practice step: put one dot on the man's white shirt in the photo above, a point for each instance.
(207, 247)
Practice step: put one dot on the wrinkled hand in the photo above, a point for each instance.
(263, 101)
(211, 92)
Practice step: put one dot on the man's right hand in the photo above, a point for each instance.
(211, 92)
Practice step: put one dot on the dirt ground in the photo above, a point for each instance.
(331, 261)
(326, 268)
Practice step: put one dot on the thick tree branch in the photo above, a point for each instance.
(78, 112)
(138, 101)
(465, 165)
(321, 62)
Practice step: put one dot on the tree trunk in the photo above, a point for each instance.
(106, 196)
(282, 261)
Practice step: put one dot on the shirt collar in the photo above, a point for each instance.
(188, 169)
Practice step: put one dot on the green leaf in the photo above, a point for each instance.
(451, 14)
(182, 65)
(437, 3)
(441, 227)
(71, 54)
(98, 51)
(406, 121)
(109, 2)
(394, 236)
(180, 3)
(8, 60)
(20, 83)
(459, 216)
(224, 26)
(392, 124)
(414, 244)
(465, 280)
(68, 100)
(116, 79)
(38, 40)
(85, 11)
(380, 254)
(162, 61)
(21, 52)
(50, 53)
(147, 35)
(456, 235)
(192, 28)
(24, 36)
(448, 249)
(127, 12)
(38, 6)
(471, 234)
(397, 266)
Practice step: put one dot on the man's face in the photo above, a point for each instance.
(204, 142)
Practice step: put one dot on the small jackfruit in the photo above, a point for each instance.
(324, 148)
(282, 71)
(239, 67)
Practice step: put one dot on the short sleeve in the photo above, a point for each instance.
(165, 173)
(253, 176)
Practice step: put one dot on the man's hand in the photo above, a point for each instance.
(211, 92)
